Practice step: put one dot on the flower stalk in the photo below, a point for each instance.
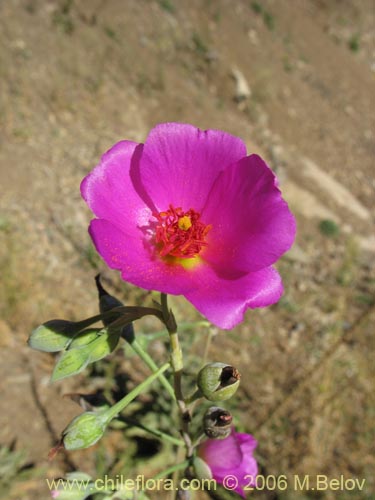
(123, 403)
(147, 359)
(155, 432)
(173, 468)
(177, 367)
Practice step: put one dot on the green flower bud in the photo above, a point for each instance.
(201, 469)
(217, 423)
(218, 381)
(84, 430)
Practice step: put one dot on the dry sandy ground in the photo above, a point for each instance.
(77, 76)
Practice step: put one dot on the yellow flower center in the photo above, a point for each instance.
(184, 223)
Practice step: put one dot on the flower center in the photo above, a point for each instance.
(180, 234)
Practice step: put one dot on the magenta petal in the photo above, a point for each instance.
(109, 192)
(224, 302)
(222, 454)
(247, 442)
(252, 225)
(232, 456)
(208, 172)
(180, 163)
(132, 255)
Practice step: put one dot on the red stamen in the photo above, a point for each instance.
(180, 234)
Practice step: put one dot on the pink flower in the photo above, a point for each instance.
(231, 460)
(189, 213)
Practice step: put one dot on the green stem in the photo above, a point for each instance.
(152, 365)
(176, 352)
(155, 432)
(197, 394)
(199, 439)
(177, 367)
(172, 469)
(120, 405)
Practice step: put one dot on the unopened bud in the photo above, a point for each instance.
(84, 431)
(106, 303)
(218, 381)
(201, 469)
(217, 423)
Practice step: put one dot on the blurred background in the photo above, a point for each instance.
(295, 80)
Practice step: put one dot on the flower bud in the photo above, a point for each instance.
(218, 381)
(84, 430)
(217, 423)
(106, 301)
(201, 469)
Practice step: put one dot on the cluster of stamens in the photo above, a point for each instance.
(180, 234)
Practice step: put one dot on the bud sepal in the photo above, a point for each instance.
(218, 381)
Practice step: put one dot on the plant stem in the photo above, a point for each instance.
(155, 432)
(176, 352)
(177, 367)
(171, 469)
(193, 397)
(120, 405)
(198, 440)
(151, 364)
